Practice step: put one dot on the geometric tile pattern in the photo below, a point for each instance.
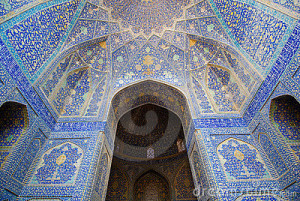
(147, 63)
(147, 16)
(93, 22)
(9, 8)
(289, 4)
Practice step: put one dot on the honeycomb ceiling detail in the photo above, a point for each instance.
(147, 16)
(116, 43)
(216, 56)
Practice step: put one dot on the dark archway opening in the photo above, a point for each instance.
(151, 186)
(13, 123)
(150, 159)
(285, 116)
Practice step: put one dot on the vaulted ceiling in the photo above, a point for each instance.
(78, 54)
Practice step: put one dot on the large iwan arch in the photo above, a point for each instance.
(203, 92)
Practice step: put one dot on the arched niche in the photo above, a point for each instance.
(241, 161)
(285, 117)
(13, 124)
(151, 186)
(221, 79)
(148, 92)
(58, 166)
(76, 78)
(161, 95)
(147, 132)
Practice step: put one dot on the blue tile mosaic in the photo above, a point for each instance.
(34, 53)
(77, 66)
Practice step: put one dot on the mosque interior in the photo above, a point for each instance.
(149, 100)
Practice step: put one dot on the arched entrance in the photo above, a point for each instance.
(285, 116)
(150, 123)
(151, 186)
(13, 124)
(149, 92)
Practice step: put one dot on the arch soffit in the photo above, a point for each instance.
(155, 172)
(249, 65)
(271, 101)
(66, 53)
(27, 115)
(185, 115)
(241, 141)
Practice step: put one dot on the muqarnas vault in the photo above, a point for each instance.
(149, 100)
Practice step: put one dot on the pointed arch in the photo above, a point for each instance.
(14, 122)
(152, 92)
(58, 165)
(241, 161)
(151, 185)
(285, 117)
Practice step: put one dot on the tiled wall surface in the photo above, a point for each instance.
(65, 60)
